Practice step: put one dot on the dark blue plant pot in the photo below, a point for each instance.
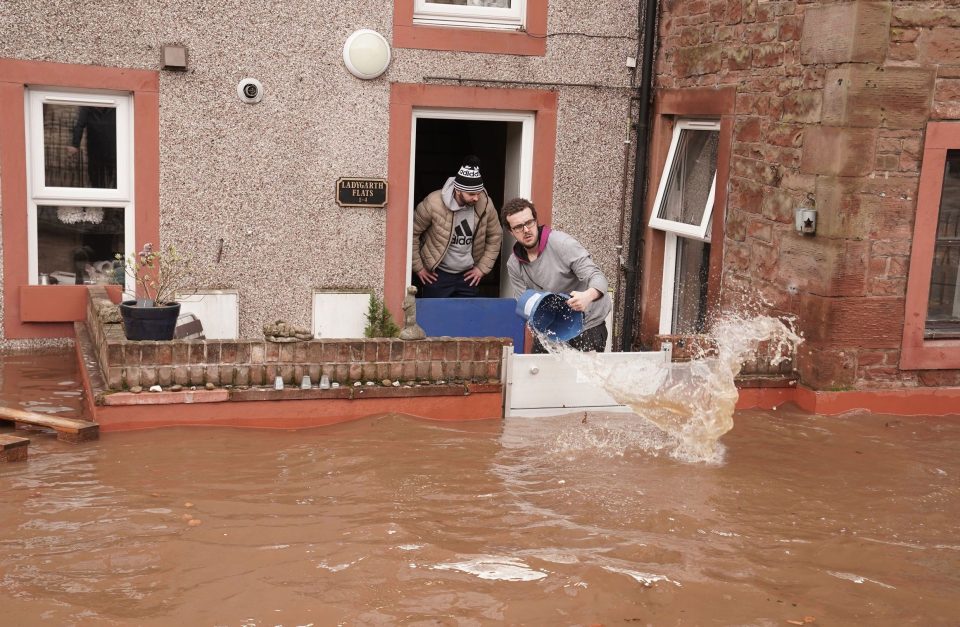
(149, 323)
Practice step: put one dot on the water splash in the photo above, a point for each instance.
(691, 401)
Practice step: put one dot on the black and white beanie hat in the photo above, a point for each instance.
(468, 177)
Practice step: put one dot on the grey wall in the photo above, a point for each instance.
(262, 177)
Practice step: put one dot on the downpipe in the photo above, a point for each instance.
(647, 26)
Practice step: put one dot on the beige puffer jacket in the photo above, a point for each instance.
(433, 228)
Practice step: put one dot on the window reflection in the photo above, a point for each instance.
(943, 308)
(690, 286)
(78, 245)
(80, 146)
(691, 177)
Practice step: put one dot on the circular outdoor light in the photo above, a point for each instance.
(366, 54)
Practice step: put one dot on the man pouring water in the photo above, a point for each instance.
(552, 261)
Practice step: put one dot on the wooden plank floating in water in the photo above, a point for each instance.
(70, 430)
(13, 448)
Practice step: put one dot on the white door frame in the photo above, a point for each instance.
(526, 118)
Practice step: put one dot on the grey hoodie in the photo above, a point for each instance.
(563, 266)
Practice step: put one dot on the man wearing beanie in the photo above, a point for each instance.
(456, 235)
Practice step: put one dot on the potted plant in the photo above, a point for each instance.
(158, 276)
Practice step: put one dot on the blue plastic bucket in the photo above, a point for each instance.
(549, 314)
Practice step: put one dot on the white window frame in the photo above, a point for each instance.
(696, 231)
(38, 193)
(121, 102)
(674, 229)
(433, 13)
(669, 282)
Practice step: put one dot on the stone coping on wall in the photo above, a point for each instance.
(246, 370)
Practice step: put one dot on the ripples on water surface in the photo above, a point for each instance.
(391, 520)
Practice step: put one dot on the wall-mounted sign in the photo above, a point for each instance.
(357, 192)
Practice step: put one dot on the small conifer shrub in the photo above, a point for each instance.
(379, 321)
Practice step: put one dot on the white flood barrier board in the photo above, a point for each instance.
(544, 385)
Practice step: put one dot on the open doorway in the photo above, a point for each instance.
(504, 144)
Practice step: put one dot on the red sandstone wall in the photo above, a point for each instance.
(832, 102)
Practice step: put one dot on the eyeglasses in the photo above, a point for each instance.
(526, 226)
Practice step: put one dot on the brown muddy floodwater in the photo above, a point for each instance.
(848, 520)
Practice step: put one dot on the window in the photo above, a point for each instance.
(505, 14)
(931, 329)
(943, 304)
(31, 203)
(80, 203)
(512, 27)
(683, 209)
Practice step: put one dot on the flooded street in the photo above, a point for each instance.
(851, 520)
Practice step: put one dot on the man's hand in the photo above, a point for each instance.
(426, 277)
(579, 301)
(473, 276)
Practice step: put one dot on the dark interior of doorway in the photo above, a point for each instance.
(441, 145)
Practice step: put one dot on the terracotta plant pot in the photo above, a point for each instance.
(149, 323)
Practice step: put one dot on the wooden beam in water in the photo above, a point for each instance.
(13, 448)
(70, 430)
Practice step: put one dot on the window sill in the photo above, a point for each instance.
(931, 355)
(530, 42)
(57, 303)
(467, 39)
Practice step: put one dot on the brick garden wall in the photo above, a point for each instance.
(832, 102)
(125, 364)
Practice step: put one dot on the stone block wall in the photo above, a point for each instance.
(767, 367)
(832, 103)
(238, 363)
